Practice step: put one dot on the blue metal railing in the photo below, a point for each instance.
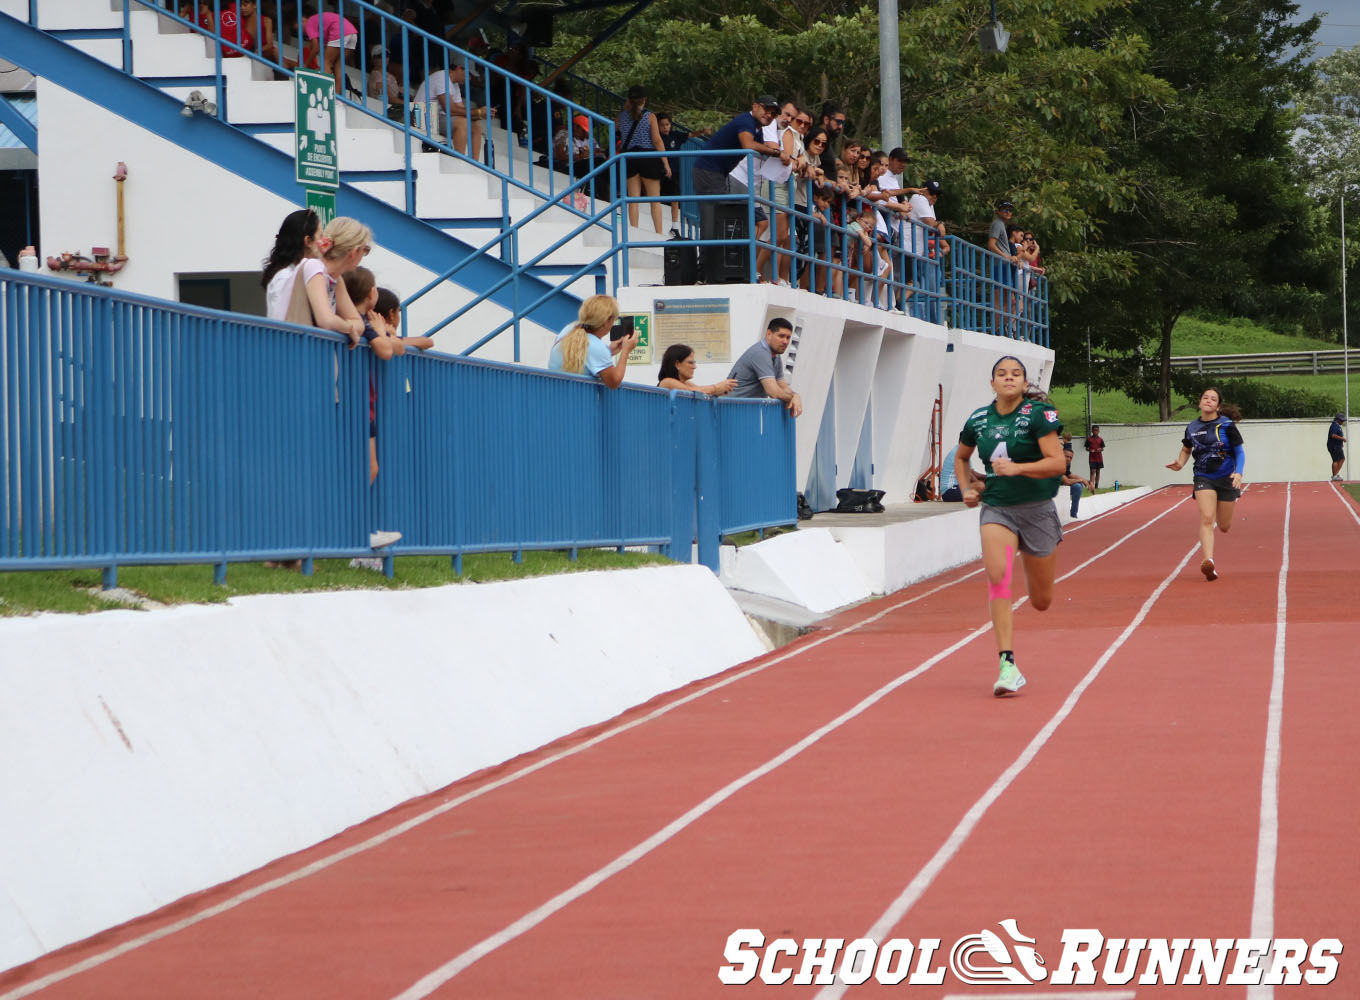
(387, 48)
(913, 270)
(136, 431)
(941, 281)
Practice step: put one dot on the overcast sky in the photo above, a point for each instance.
(1340, 23)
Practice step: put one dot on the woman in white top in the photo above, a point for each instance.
(342, 246)
(776, 171)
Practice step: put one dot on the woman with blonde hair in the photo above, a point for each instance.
(304, 268)
(582, 350)
(343, 244)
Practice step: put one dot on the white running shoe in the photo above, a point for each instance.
(1009, 681)
(382, 539)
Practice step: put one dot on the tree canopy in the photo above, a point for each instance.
(1149, 143)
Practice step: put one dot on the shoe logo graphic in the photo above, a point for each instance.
(1002, 967)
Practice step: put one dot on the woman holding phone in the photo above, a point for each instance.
(582, 348)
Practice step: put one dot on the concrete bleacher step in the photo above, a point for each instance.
(455, 195)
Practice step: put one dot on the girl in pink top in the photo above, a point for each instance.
(338, 33)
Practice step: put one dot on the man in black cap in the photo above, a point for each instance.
(710, 171)
(1003, 276)
(741, 133)
(1336, 445)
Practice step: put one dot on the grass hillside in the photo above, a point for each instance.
(1195, 336)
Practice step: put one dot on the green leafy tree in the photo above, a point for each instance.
(1328, 141)
(1218, 197)
(1034, 125)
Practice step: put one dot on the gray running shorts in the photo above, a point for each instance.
(1035, 524)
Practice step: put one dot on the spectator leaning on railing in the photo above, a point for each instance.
(677, 372)
(299, 287)
(581, 349)
(833, 120)
(743, 132)
(759, 372)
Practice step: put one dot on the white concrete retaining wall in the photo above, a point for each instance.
(148, 755)
(1278, 451)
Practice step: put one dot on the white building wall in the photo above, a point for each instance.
(891, 362)
(186, 216)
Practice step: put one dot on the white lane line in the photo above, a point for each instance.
(1345, 502)
(915, 889)
(405, 827)
(321, 864)
(1268, 838)
(434, 980)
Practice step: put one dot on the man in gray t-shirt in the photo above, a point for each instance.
(759, 372)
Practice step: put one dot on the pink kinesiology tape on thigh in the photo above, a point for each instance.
(998, 591)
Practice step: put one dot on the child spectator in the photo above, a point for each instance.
(382, 337)
(670, 184)
(261, 27)
(868, 255)
(233, 30)
(826, 242)
(336, 33)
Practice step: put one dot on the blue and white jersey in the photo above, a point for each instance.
(1215, 445)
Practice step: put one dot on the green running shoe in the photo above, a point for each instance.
(1010, 680)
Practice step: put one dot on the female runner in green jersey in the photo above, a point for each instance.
(1021, 449)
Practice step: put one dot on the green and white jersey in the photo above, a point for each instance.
(1015, 436)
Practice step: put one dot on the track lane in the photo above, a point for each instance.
(1317, 869)
(804, 848)
(354, 901)
(1140, 818)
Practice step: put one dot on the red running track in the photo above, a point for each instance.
(863, 783)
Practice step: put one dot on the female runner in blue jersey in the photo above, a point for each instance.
(1019, 442)
(1220, 460)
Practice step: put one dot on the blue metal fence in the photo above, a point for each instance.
(136, 431)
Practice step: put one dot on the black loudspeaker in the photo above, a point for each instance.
(538, 29)
(682, 265)
(730, 264)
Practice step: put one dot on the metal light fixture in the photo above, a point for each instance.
(994, 38)
(197, 102)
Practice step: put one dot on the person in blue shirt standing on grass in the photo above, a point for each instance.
(1216, 444)
(1017, 439)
